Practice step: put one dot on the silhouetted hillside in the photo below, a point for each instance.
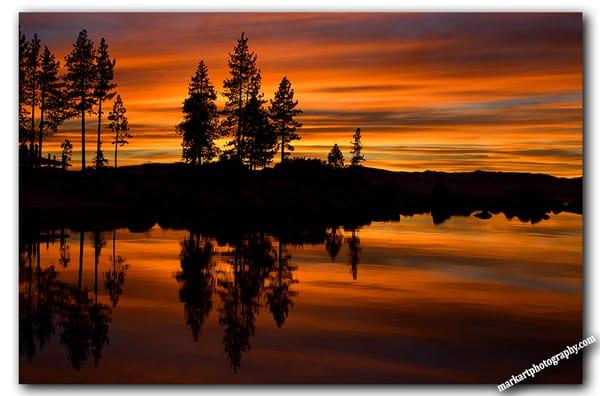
(300, 191)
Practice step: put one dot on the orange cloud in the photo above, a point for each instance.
(498, 80)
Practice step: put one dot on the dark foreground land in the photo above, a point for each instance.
(300, 192)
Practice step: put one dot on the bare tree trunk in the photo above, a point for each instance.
(282, 147)
(98, 164)
(82, 137)
(96, 259)
(33, 90)
(116, 144)
(41, 124)
(199, 153)
(239, 126)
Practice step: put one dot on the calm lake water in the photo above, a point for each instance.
(466, 301)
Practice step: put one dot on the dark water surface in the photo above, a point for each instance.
(466, 301)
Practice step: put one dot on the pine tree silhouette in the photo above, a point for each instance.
(32, 63)
(104, 90)
(81, 80)
(237, 88)
(282, 114)
(356, 152)
(335, 158)
(23, 86)
(200, 126)
(52, 103)
(260, 140)
(119, 125)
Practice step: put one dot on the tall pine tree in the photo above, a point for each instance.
(81, 81)
(53, 106)
(259, 144)
(32, 68)
(104, 90)
(356, 151)
(67, 151)
(335, 158)
(23, 112)
(282, 114)
(119, 125)
(237, 90)
(200, 125)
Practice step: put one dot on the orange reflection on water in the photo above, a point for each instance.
(429, 304)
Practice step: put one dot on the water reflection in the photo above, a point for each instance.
(196, 280)
(114, 278)
(257, 273)
(279, 292)
(37, 301)
(256, 291)
(240, 289)
(333, 242)
(354, 245)
(47, 303)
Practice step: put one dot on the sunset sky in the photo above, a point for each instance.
(454, 92)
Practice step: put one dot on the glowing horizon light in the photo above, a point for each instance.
(449, 92)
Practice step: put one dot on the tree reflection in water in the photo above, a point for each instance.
(48, 303)
(354, 245)
(114, 278)
(279, 291)
(37, 301)
(333, 242)
(244, 272)
(252, 258)
(196, 281)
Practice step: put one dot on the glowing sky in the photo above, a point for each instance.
(451, 92)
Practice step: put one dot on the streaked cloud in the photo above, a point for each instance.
(502, 80)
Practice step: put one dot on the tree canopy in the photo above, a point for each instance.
(119, 125)
(53, 105)
(103, 90)
(335, 158)
(282, 114)
(23, 75)
(81, 79)
(31, 64)
(237, 90)
(200, 126)
(260, 141)
(356, 151)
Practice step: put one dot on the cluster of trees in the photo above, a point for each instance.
(47, 98)
(257, 132)
(335, 158)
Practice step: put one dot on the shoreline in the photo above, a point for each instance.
(302, 191)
